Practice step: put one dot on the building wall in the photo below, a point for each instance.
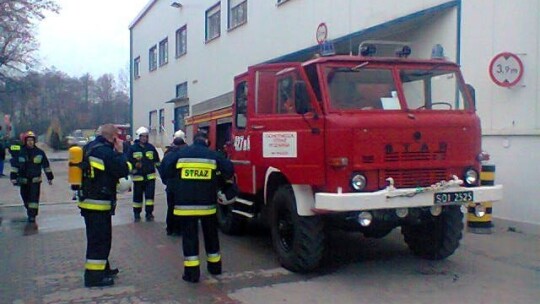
(271, 31)
(510, 116)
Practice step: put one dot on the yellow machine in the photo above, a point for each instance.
(75, 169)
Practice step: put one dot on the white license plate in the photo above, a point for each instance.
(446, 198)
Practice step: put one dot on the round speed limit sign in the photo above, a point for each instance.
(506, 69)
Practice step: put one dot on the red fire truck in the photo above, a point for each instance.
(365, 143)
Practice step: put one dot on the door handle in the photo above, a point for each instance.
(257, 127)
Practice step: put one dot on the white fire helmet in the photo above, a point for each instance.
(124, 184)
(142, 131)
(180, 134)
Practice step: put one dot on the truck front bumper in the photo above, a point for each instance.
(398, 198)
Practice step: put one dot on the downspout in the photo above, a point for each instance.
(458, 42)
(131, 82)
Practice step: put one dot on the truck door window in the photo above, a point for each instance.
(265, 92)
(362, 89)
(285, 96)
(432, 89)
(241, 104)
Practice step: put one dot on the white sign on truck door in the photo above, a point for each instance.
(279, 144)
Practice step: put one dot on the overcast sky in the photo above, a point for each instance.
(88, 36)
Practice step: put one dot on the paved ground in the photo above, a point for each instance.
(43, 263)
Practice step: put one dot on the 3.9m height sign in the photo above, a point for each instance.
(506, 69)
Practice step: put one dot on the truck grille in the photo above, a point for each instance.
(414, 156)
(415, 177)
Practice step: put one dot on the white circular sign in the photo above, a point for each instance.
(506, 69)
(322, 33)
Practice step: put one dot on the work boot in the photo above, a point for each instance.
(111, 272)
(137, 217)
(191, 274)
(149, 217)
(105, 281)
(214, 268)
(97, 279)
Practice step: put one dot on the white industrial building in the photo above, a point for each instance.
(185, 53)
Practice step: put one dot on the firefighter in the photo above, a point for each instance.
(170, 179)
(144, 158)
(26, 173)
(195, 199)
(103, 165)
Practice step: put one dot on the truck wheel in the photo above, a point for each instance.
(438, 237)
(298, 240)
(230, 223)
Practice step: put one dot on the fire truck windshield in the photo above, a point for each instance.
(368, 88)
(434, 89)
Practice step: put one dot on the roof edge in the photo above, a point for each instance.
(142, 13)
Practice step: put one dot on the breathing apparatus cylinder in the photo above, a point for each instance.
(75, 169)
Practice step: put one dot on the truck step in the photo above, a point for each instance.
(249, 215)
(244, 202)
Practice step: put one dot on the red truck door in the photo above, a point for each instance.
(279, 137)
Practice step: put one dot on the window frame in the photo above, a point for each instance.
(178, 35)
(137, 67)
(185, 84)
(161, 120)
(241, 104)
(150, 116)
(230, 16)
(163, 52)
(208, 14)
(183, 111)
(152, 58)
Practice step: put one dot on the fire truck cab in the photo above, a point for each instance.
(368, 144)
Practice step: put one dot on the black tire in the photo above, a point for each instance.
(438, 237)
(229, 222)
(298, 240)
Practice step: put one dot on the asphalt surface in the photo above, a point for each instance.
(43, 262)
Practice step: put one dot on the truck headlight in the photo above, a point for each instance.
(358, 182)
(471, 177)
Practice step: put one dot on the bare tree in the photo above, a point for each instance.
(17, 36)
(123, 79)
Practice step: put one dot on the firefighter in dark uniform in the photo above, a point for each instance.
(144, 158)
(26, 173)
(170, 179)
(103, 165)
(195, 199)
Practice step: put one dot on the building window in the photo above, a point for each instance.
(161, 120)
(137, 67)
(180, 114)
(181, 90)
(152, 120)
(181, 41)
(164, 51)
(237, 13)
(213, 22)
(152, 58)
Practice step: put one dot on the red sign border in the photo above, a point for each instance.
(321, 25)
(506, 84)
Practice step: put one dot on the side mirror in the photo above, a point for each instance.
(472, 92)
(301, 97)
